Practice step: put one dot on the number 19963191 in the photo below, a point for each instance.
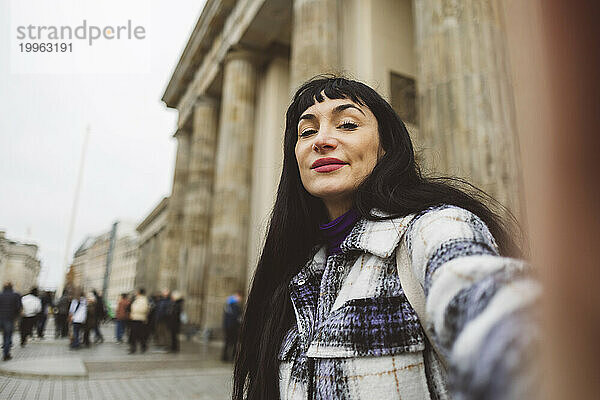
(46, 47)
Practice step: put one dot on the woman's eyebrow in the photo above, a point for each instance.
(335, 111)
(343, 107)
(306, 116)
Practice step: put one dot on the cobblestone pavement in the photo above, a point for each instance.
(194, 373)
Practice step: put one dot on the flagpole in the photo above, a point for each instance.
(65, 264)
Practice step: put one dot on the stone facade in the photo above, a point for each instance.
(151, 244)
(466, 97)
(19, 264)
(440, 63)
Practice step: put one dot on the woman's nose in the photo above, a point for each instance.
(324, 141)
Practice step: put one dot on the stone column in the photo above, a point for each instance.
(170, 260)
(315, 39)
(467, 120)
(231, 198)
(197, 205)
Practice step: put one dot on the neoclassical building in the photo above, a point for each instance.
(19, 264)
(151, 243)
(441, 63)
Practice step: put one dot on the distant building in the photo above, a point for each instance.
(107, 262)
(80, 260)
(123, 268)
(151, 244)
(19, 264)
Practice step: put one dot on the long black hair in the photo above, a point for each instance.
(395, 186)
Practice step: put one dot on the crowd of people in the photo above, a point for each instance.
(33, 308)
(159, 316)
(138, 317)
(78, 315)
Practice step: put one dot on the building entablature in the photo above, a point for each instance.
(252, 25)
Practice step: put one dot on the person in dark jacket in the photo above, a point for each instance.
(231, 324)
(91, 320)
(60, 318)
(161, 318)
(175, 320)
(100, 314)
(10, 307)
(46, 300)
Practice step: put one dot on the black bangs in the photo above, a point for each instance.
(332, 87)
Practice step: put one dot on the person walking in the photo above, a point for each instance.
(60, 318)
(231, 324)
(46, 300)
(10, 307)
(100, 314)
(90, 319)
(175, 320)
(77, 317)
(162, 318)
(139, 316)
(122, 316)
(32, 306)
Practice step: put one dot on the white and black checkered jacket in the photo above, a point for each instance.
(357, 337)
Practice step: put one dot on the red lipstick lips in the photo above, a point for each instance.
(327, 164)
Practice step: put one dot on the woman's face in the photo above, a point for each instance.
(337, 148)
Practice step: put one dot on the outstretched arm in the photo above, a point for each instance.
(478, 305)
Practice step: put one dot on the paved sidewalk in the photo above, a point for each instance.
(48, 369)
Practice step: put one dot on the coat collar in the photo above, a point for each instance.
(377, 237)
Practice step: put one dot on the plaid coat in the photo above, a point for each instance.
(357, 337)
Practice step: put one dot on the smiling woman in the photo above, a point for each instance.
(377, 281)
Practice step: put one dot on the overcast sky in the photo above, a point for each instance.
(43, 118)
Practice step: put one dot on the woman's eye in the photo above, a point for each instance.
(348, 125)
(307, 132)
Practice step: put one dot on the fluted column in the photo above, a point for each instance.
(197, 205)
(172, 254)
(231, 198)
(315, 39)
(466, 102)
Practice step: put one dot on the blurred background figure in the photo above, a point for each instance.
(61, 315)
(90, 319)
(100, 314)
(32, 306)
(174, 317)
(46, 300)
(231, 324)
(139, 318)
(10, 307)
(77, 317)
(162, 319)
(121, 317)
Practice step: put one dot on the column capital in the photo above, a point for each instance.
(245, 53)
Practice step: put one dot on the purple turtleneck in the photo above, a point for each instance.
(335, 232)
